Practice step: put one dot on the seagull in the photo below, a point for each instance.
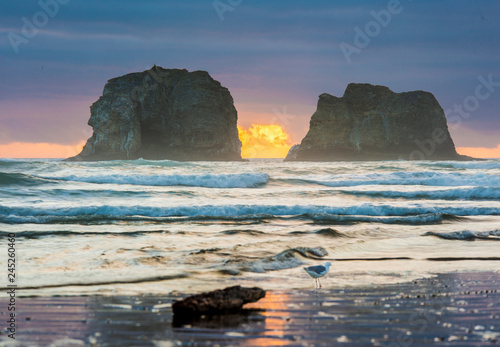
(318, 271)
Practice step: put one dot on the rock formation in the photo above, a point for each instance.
(292, 153)
(374, 123)
(225, 300)
(163, 114)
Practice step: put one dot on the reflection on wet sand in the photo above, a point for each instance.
(461, 308)
(275, 311)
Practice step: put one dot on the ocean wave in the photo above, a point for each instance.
(424, 178)
(134, 163)
(162, 163)
(93, 194)
(474, 193)
(6, 162)
(419, 219)
(320, 214)
(243, 232)
(90, 219)
(19, 179)
(474, 165)
(328, 232)
(467, 235)
(63, 233)
(244, 180)
(287, 259)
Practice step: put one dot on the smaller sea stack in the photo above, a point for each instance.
(374, 123)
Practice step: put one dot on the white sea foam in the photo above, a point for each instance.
(287, 259)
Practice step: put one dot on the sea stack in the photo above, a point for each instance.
(163, 114)
(374, 123)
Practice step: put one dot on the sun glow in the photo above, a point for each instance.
(479, 152)
(264, 141)
(39, 150)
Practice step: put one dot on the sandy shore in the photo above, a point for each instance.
(449, 310)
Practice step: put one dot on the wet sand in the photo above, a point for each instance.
(448, 310)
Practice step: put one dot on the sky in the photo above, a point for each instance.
(275, 57)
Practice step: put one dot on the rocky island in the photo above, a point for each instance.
(163, 114)
(374, 123)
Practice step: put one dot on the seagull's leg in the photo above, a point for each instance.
(319, 283)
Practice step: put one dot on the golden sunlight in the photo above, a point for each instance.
(39, 150)
(479, 152)
(264, 141)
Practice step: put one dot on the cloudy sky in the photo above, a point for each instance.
(276, 58)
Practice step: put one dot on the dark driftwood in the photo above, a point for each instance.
(226, 300)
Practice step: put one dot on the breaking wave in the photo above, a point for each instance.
(287, 259)
(19, 179)
(474, 165)
(424, 178)
(467, 235)
(419, 219)
(475, 193)
(42, 234)
(328, 232)
(387, 214)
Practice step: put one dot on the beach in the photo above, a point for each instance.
(460, 309)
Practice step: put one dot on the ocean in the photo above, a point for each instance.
(153, 227)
